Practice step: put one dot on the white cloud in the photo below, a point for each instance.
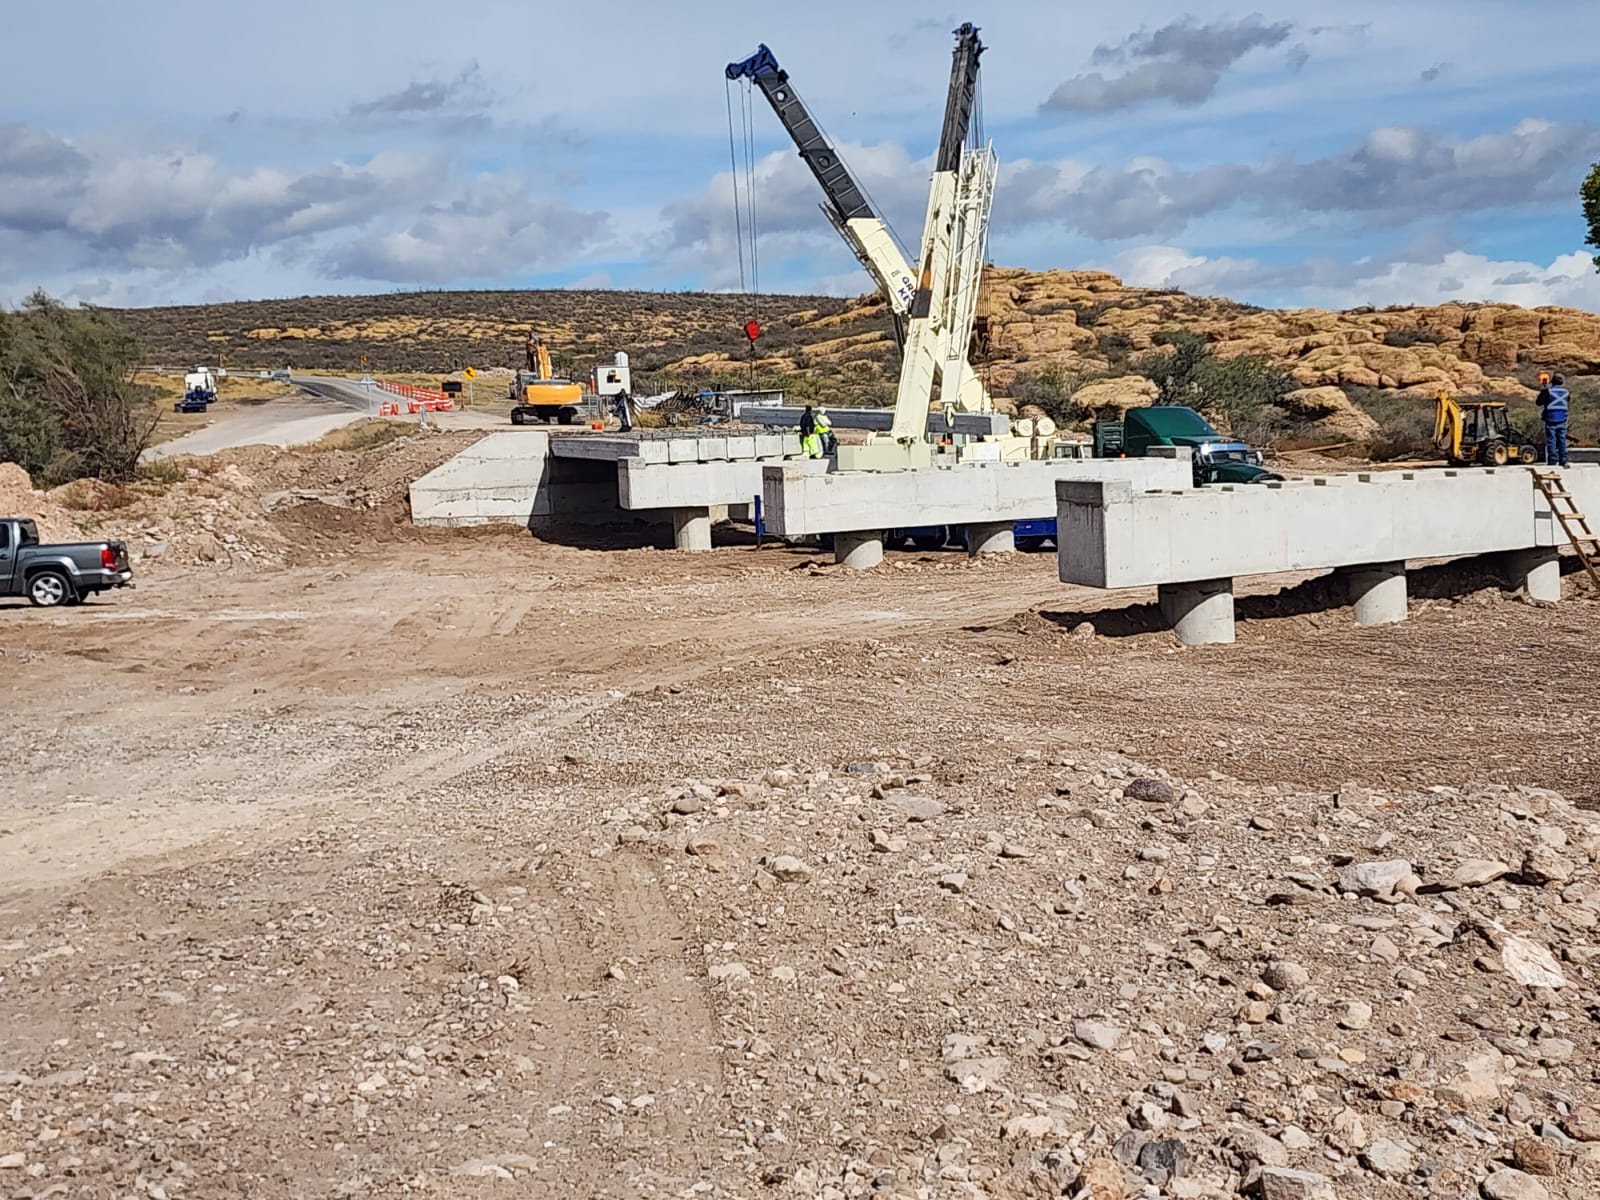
(398, 217)
(1183, 61)
(1402, 278)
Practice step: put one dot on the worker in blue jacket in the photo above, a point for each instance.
(1553, 401)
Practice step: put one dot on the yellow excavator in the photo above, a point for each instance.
(1478, 433)
(537, 395)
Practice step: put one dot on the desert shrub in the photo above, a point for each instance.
(1115, 346)
(94, 495)
(162, 471)
(1405, 424)
(29, 433)
(1405, 338)
(1089, 315)
(1235, 390)
(1052, 387)
(70, 374)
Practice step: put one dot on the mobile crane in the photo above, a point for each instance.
(851, 214)
(954, 239)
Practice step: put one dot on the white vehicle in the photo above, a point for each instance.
(200, 380)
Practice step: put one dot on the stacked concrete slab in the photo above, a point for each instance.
(531, 478)
(1192, 544)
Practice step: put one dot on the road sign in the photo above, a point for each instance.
(469, 373)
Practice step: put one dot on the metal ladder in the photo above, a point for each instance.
(1573, 523)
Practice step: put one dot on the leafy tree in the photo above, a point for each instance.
(1591, 209)
(72, 405)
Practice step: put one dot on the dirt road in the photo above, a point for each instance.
(454, 869)
(291, 421)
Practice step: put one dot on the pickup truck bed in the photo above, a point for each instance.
(52, 575)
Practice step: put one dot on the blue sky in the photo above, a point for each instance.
(1409, 151)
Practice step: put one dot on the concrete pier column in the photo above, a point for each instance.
(858, 551)
(1378, 592)
(1201, 614)
(1537, 572)
(994, 537)
(691, 528)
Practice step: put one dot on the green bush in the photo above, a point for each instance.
(29, 434)
(1404, 339)
(1051, 388)
(1236, 390)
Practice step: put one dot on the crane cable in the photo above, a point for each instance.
(744, 209)
(733, 174)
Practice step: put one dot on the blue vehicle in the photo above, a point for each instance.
(1030, 536)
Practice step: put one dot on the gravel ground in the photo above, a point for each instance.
(483, 867)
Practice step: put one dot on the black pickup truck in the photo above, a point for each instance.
(52, 575)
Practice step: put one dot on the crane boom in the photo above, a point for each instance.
(850, 212)
(954, 239)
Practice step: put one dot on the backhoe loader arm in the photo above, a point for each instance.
(1447, 426)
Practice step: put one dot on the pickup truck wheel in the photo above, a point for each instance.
(49, 589)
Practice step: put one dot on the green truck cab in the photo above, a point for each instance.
(1217, 459)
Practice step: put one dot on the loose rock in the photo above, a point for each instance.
(1513, 1185)
(1281, 1183)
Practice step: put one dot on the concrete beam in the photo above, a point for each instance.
(1113, 536)
(642, 485)
(1200, 613)
(858, 551)
(968, 424)
(1378, 592)
(990, 538)
(691, 528)
(798, 502)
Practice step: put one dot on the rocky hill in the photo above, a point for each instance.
(1362, 375)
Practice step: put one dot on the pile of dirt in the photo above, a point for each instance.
(254, 507)
(19, 498)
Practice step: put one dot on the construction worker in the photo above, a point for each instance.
(810, 439)
(1553, 400)
(624, 410)
(825, 432)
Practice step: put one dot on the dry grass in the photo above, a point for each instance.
(364, 435)
(94, 495)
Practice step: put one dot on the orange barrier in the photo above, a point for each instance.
(418, 399)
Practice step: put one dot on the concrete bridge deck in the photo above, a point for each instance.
(1192, 544)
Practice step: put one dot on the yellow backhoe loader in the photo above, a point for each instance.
(1478, 433)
